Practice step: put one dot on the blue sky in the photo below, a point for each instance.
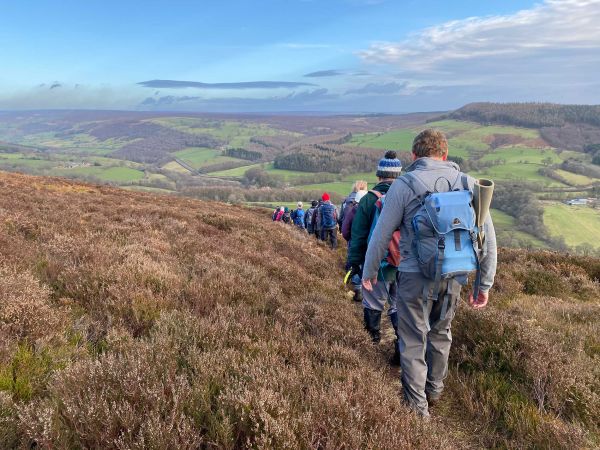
(316, 55)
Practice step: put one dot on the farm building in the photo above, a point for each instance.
(577, 201)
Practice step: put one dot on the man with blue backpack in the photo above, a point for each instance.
(432, 206)
(364, 221)
(328, 216)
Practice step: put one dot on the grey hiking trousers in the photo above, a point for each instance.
(424, 337)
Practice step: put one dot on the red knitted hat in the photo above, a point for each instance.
(325, 197)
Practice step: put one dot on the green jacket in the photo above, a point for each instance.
(361, 226)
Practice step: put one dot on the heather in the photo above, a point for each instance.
(143, 321)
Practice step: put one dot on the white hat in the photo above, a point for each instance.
(299, 204)
(359, 195)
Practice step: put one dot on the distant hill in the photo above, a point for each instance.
(133, 320)
(562, 126)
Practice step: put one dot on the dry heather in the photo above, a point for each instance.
(138, 321)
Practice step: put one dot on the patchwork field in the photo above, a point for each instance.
(201, 157)
(96, 149)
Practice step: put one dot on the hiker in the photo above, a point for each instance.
(385, 291)
(279, 214)
(308, 217)
(348, 201)
(427, 302)
(349, 214)
(317, 221)
(298, 216)
(328, 216)
(285, 218)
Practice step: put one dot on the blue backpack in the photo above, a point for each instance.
(446, 234)
(299, 218)
(328, 216)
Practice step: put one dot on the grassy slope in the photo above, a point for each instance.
(577, 224)
(198, 157)
(507, 235)
(234, 133)
(145, 337)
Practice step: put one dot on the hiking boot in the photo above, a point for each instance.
(373, 324)
(433, 399)
(358, 297)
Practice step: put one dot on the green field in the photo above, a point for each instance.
(287, 175)
(524, 155)
(575, 179)
(11, 156)
(517, 172)
(577, 224)
(342, 188)
(198, 157)
(238, 172)
(25, 163)
(508, 236)
(109, 174)
(74, 143)
(400, 140)
(235, 133)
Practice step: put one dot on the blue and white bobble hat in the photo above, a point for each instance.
(389, 166)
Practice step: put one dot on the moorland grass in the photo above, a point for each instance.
(140, 321)
(132, 320)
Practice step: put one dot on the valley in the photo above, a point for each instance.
(295, 158)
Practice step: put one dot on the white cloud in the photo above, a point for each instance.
(64, 96)
(555, 36)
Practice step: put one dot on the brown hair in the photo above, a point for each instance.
(430, 143)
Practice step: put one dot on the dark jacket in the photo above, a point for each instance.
(349, 213)
(361, 226)
(348, 201)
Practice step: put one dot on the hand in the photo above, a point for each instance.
(368, 284)
(481, 301)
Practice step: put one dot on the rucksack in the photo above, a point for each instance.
(286, 217)
(308, 219)
(446, 235)
(347, 202)
(328, 216)
(299, 218)
(392, 257)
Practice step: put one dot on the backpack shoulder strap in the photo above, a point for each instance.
(376, 193)
(465, 181)
(416, 185)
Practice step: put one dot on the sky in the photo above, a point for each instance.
(338, 56)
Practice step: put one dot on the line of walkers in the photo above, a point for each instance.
(320, 220)
(413, 240)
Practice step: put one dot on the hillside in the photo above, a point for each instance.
(132, 320)
(563, 126)
(274, 160)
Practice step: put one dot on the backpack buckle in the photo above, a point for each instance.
(442, 243)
